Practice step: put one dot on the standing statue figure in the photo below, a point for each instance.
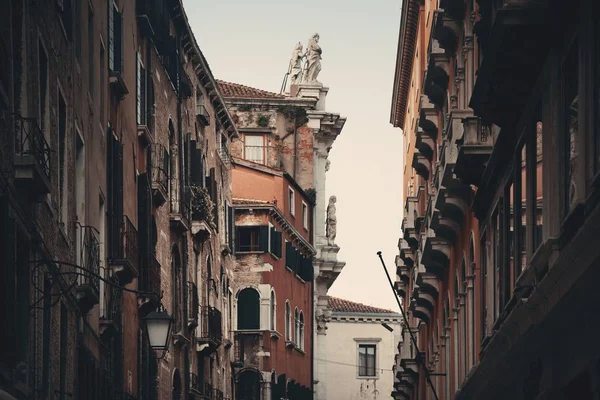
(313, 59)
(331, 223)
(295, 68)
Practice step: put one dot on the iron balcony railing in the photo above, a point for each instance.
(93, 380)
(31, 142)
(217, 394)
(200, 387)
(224, 154)
(160, 167)
(126, 249)
(210, 326)
(180, 205)
(89, 257)
(193, 304)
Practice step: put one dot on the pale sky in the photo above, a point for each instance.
(250, 42)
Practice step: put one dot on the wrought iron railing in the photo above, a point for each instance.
(93, 380)
(181, 205)
(193, 304)
(207, 390)
(160, 167)
(89, 257)
(217, 394)
(210, 325)
(224, 154)
(127, 249)
(30, 141)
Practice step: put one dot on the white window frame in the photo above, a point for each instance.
(288, 319)
(292, 201)
(367, 342)
(304, 215)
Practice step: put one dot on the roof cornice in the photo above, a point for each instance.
(404, 60)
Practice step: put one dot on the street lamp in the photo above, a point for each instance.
(158, 325)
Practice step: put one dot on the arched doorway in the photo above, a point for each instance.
(248, 385)
(176, 389)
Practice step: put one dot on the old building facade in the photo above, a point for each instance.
(292, 133)
(115, 185)
(359, 350)
(495, 262)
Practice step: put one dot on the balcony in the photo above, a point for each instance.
(402, 277)
(193, 305)
(209, 334)
(198, 387)
(202, 115)
(421, 165)
(180, 210)
(110, 319)
(436, 254)
(152, 285)
(160, 175)
(224, 155)
(152, 16)
(88, 293)
(428, 118)
(32, 157)
(203, 211)
(474, 150)
(124, 256)
(437, 76)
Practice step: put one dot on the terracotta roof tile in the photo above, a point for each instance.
(236, 90)
(341, 305)
(248, 201)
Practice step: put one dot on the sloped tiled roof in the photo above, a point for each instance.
(235, 90)
(341, 305)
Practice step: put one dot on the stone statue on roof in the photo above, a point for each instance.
(313, 59)
(295, 68)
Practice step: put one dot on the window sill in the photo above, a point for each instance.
(275, 335)
(299, 350)
(290, 345)
(249, 331)
(250, 252)
(374, 377)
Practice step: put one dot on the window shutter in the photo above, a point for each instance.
(288, 254)
(138, 89)
(295, 260)
(121, 42)
(196, 165)
(279, 236)
(263, 243)
(111, 36)
(230, 225)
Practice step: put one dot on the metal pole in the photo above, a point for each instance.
(412, 337)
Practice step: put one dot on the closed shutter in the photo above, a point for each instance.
(196, 175)
(111, 36)
(295, 259)
(289, 252)
(144, 227)
(230, 225)
(263, 241)
(214, 195)
(7, 274)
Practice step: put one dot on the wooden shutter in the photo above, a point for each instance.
(230, 225)
(289, 250)
(119, 40)
(214, 196)
(263, 243)
(276, 248)
(196, 175)
(111, 36)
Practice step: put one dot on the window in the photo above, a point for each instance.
(43, 81)
(102, 87)
(254, 149)
(301, 340)
(248, 312)
(62, 159)
(304, 215)
(273, 310)
(537, 184)
(252, 238)
(570, 129)
(91, 64)
(141, 91)
(291, 201)
(366, 360)
(296, 325)
(115, 38)
(77, 30)
(288, 321)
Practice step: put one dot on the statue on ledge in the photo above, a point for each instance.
(331, 223)
(313, 59)
(295, 68)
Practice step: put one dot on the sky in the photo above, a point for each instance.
(251, 42)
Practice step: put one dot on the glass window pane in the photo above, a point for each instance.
(254, 148)
(539, 192)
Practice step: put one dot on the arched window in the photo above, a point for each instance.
(301, 341)
(288, 321)
(273, 310)
(248, 310)
(297, 325)
(248, 385)
(176, 388)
